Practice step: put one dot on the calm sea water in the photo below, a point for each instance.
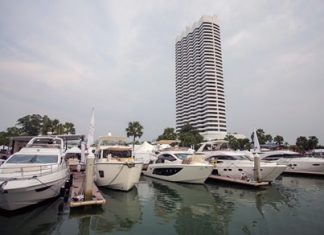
(291, 205)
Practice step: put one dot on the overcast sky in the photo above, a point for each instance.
(61, 58)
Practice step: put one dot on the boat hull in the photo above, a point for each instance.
(118, 176)
(303, 165)
(16, 194)
(245, 170)
(195, 173)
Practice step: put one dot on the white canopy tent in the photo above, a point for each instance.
(145, 152)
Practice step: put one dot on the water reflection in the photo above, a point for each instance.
(292, 205)
(274, 196)
(44, 218)
(192, 208)
(120, 213)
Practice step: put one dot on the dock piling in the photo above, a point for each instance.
(257, 170)
(89, 177)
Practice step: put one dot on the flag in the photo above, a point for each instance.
(91, 133)
(256, 144)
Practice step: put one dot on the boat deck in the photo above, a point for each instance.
(237, 181)
(76, 198)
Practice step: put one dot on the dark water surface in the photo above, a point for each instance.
(291, 205)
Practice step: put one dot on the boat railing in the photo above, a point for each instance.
(22, 172)
(46, 142)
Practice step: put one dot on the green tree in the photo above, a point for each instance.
(312, 142)
(134, 129)
(13, 131)
(55, 126)
(232, 142)
(5, 135)
(278, 139)
(4, 140)
(46, 125)
(168, 134)
(69, 128)
(30, 124)
(60, 129)
(189, 136)
(302, 143)
(241, 144)
(268, 138)
(244, 144)
(261, 136)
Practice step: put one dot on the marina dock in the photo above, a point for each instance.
(77, 197)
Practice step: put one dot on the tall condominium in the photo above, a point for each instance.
(200, 98)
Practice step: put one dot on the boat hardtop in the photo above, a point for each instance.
(213, 145)
(228, 155)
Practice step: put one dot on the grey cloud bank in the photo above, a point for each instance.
(63, 58)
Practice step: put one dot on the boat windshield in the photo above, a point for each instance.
(30, 159)
(182, 156)
(117, 153)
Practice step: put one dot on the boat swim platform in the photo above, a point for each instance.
(238, 181)
(76, 196)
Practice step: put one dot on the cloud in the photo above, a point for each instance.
(118, 56)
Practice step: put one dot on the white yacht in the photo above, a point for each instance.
(115, 166)
(296, 163)
(237, 164)
(35, 173)
(179, 166)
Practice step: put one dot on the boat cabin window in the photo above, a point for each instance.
(274, 157)
(228, 157)
(164, 157)
(30, 159)
(117, 153)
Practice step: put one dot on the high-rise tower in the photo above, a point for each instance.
(200, 98)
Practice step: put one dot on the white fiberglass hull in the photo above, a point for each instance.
(119, 176)
(245, 170)
(184, 173)
(19, 193)
(304, 165)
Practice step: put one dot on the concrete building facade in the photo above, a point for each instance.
(200, 98)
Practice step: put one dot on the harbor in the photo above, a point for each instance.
(292, 205)
(206, 118)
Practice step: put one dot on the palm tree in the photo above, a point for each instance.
(278, 139)
(134, 129)
(69, 128)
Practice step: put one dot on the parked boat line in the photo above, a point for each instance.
(115, 167)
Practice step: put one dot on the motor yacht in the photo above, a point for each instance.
(295, 162)
(179, 166)
(237, 164)
(115, 166)
(35, 173)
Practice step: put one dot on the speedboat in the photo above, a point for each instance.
(35, 173)
(237, 164)
(115, 166)
(296, 163)
(179, 166)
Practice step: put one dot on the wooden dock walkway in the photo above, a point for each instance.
(237, 181)
(76, 198)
